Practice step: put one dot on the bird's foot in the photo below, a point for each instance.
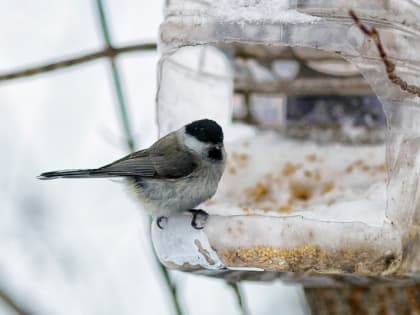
(199, 218)
(162, 222)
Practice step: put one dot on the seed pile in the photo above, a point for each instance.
(300, 179)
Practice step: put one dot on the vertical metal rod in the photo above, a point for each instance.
(239, 297)
(122, 106)
(128, 133)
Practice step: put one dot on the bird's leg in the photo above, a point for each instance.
(199, 218)
(162, 222)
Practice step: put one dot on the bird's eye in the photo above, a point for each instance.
(215, 154)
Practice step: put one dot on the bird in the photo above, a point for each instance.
(177, 173)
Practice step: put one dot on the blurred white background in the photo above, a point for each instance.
(81, 246)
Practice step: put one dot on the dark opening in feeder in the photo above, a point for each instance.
(323, 169)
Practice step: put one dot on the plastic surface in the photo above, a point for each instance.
(197, 78)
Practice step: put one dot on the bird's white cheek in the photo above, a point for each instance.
(194, 144)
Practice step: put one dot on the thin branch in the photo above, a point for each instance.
(389, 65)
(305, 86)
(70, 62)
(129, 136)
(239, 298)
(12, 304)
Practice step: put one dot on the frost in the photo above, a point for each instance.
(258, 11)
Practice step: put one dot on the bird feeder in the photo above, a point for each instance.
(322, 183)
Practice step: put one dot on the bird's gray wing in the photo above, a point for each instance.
(165, 159)
(135, 164)
(170, 159)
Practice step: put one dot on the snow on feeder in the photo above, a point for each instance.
(323, 150)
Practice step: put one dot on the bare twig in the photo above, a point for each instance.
(389, 65)
(129, 136)
(65, 63)
(239, 298)
(12, 304)
(305, 86)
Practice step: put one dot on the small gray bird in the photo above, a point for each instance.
(177, 173)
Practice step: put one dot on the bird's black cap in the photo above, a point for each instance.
(205, 130)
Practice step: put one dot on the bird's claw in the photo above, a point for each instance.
(199, 218)
(161, 222)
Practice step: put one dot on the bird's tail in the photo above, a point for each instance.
(73, 174)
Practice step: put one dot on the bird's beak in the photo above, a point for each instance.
(219, 146)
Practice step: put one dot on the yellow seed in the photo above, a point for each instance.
(311, 157)
(284, 208)
(288, 169)
(327, 187)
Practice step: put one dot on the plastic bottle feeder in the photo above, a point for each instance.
(322, 183)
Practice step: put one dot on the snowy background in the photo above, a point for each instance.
(81, 246)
